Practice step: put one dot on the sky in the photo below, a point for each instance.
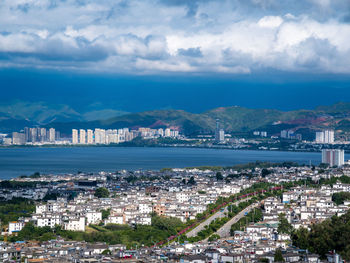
(185, 54)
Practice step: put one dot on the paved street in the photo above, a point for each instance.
(224, 231)
(218, 214)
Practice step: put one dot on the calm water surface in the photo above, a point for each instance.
(25, 161)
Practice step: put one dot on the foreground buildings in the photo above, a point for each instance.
(135, 195)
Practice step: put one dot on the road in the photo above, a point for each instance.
(224, 231)
(218, 214)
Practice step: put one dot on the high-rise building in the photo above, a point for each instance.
(26, 134)
(52, 135)
(167, 132)
(90, 136)
(33, 134)
(82, 136)
(333, 157)
(219, 133)
(319, 137)
(100, 136)
(326, 136)
(75, 136)
(160, 132)
(42, 134)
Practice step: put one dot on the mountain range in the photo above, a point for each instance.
(233, 119)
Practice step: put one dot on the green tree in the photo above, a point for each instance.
(191, 181)
(339, 198)
(278, 256)
(106, 252)
(284, 227)
(105, 213)
(213, 237)
(219, 176)
(300, 238)
(264, 172)
(102, 192)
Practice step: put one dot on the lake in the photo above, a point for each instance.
(25, 161)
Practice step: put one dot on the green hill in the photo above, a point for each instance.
(233, 119)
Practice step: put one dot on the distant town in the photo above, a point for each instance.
(286, 140)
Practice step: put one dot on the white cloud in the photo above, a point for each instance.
(270, 21)
(156, 36)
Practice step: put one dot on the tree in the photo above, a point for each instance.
(264, 172)
(340, 197)
(213, 237)
(300, 238)
(219, 176)
(102, 192)
(105, 213)
(191, 181)
(106, 252)
(278, 256)
(284, 226)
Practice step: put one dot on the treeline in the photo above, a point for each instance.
(340, 197)
(13, 209)
(251, 165)
(331, 234)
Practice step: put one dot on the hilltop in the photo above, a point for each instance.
(234, 119)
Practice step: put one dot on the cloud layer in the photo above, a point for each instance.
(165, 36)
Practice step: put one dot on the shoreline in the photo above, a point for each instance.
(159, 146)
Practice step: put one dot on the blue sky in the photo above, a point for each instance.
(256, 53)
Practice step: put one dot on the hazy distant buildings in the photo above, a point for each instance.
(75, 136)
(290, 134)
(114, 136)
(90, 136)
(18, 138)
(260, 133)
(52, 135)
(167, 133)
(326, 136)
(42, 135)
(82, 136)
(333, 157)
(219, 133)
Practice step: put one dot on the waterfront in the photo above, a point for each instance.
(25, 161)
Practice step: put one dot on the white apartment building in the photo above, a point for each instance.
(145, 208)
(75, 224)
(100, 136)
(75, 136)
(326, 136)
(333, 157)
(82, 136)
(93, 217)
(115, 219)
(167, 132)
(15, 226)
(52, 135)
(90, 136)
(50, 220)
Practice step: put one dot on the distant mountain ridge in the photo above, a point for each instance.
(16, 115)
(233, 119)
